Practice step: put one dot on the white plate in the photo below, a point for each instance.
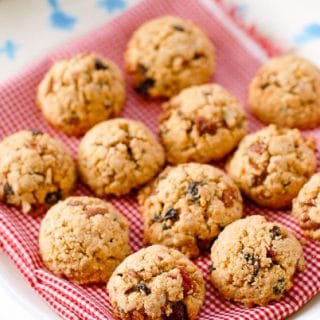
(18, 301)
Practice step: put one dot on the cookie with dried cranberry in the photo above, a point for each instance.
(306, 207)
(254, 261)
(168, 54)
(79, 92)
(286, 92)
(201, 124)
(156, 283)
(36, 170)
(271, 165)
(83, 239)
(119, 155)
(187, 206)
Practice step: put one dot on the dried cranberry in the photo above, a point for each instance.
(187, 282)
(179, 312)
(204, 126)
(94, 211)
(228, 196)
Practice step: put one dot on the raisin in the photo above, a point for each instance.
(258, 180)
(142, 68)
(157, 218)
(53, 197)
(171, 214)
(275, 232)
(256, 268)
(205, 127)
(100, 65)
(7, 190)
(193, 190)
(211, 267)
(142, 287)
(120, 275)
(178, 28)
(249, 257)
(143, 87)
(35, 132)
(257, 147)
(198, 56)
(228, 196)
(94, 211)
(187, 282)
(165, 226)
(278, 288)
(179, 312)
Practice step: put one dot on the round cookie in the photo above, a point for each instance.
(271, 165)
(79, 92)
(83, 239)
(202, 123)
(306, 207)
(117, 156)
(35, 170)
(156, 283)
(168, 54)
(254, 261)
(187, 206)
(286, 92)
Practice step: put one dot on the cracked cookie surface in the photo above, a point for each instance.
(254, 261)
(306, 207)
(83, 239)
(156, 283)
(187, 206)
(79, 92)
(286, 92)
(271, 165)
(168, 54)
(119, 155)
(36, 170)
(202, 123)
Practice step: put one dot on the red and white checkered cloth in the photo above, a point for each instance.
(238, 57)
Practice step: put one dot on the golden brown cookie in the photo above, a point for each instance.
(286, 92)
(187, 206)
(254, 261)
(79, 92)
(119, 155)
(306, 207)
(201, 124)
(156, 283)
(36, 170)
(83, 239)
(271, 165)
(168, 54)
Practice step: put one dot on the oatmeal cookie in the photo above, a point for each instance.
(79, 92)
(83, 239)
(286, 92)
(117, 156)
(168, 54)
(201, 124)
(156, 283)
(306, 207)
(35, 170)
(187, 206)
(254, 261)
(271, 165)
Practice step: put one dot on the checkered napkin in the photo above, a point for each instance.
(238, 57)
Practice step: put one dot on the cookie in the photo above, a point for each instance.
(168, 54)
(187, 206)
(35, 170)
(286, 92)
(254, 261)
(79, 92)
(117, 156)
(201, 124)
(156, 283)
(306, 207)
(271, 165)
(83, 239)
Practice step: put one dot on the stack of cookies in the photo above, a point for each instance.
(189, 206)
